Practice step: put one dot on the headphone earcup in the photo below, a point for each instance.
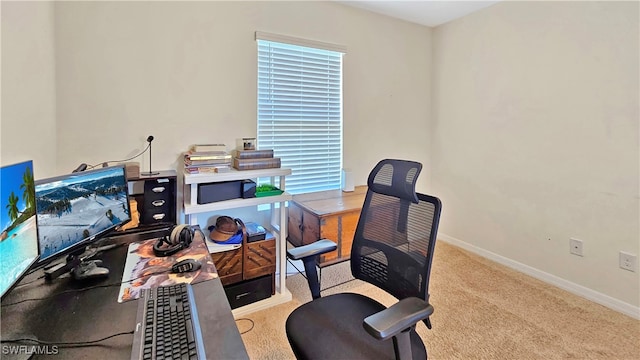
(186, 236)
(176, 233)
(173, 241)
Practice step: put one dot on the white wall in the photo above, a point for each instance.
(185, 72)
(28, 115)
(535, 107)
(536, 138)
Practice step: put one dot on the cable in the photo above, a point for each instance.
(34, 269)
(30, 282)
(249, 320)
(110, 161)
(84, 289)
(304, 275)
(66, 344)
(62, 292)
(336, 285)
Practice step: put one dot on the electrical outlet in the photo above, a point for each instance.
(575, 247)
(628, 261)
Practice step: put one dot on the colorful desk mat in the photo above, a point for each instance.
(144, 270)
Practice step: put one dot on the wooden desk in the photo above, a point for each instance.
(83, 314)
(332, 215)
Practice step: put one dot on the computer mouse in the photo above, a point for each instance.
(186, 265)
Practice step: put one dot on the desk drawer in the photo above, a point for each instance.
(259, 258)
(306, 227)
(159, 201)
(250, 291)
(155, 191)
(341, 229)
(229, 265)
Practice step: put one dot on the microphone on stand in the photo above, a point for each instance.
(150, 173)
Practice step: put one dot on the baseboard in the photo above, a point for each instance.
(277, 299)
(569, 286)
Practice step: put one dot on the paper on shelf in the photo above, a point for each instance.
(215, 248)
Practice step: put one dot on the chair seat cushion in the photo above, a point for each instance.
(331, 328)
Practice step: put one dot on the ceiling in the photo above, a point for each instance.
(429, 13)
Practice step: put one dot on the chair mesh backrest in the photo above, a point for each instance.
(395, 237)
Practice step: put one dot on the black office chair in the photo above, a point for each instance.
(392, 249)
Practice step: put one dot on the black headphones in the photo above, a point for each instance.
(179, 238)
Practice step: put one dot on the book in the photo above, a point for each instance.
(207, 169)
(254, 154)
(209, 147)
(254, 164)
(191, 156)
(209, 162)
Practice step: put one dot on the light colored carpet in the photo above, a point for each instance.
(483, 310)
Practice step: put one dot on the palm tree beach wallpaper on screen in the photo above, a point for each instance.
(19, 233)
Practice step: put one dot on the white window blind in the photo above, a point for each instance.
(300, 112)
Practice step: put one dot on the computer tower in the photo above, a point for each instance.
(249, 291)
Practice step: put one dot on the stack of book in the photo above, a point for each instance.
(207, 158)
(255, 159)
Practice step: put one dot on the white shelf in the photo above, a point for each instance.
(190, 209)
(233, 174)
(278, 220)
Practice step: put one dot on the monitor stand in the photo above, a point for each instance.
(80, 266)
(89, 269)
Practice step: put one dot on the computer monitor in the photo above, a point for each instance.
(19, 237)
(75, 210)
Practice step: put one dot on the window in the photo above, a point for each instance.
(300, 112)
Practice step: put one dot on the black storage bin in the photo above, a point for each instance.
(249, 291)
(219, 191)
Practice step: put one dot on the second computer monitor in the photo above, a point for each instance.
(19, 236)
(76, 209)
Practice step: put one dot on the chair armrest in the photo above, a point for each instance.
(316, 248)
(398, 317)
